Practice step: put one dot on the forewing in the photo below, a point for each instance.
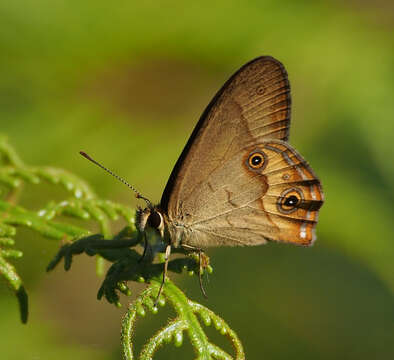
(252, 106)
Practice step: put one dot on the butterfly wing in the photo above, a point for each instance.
(253, 103)
(253, 106)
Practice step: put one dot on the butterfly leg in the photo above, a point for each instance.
(200, 267)
(145, 249)
(200, 253)
(167, 257)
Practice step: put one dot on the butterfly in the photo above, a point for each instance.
(238, 182)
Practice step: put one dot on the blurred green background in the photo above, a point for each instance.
(126, 81)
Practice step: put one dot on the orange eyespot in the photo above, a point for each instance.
(290, 200)
(257, 160)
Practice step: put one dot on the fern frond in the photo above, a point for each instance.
(82, 204)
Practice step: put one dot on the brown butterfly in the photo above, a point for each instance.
(238, 182)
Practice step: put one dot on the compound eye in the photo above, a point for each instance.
(154, 219)
(257, 160)
(290, 200)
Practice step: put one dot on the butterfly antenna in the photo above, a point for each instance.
(138, 195)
